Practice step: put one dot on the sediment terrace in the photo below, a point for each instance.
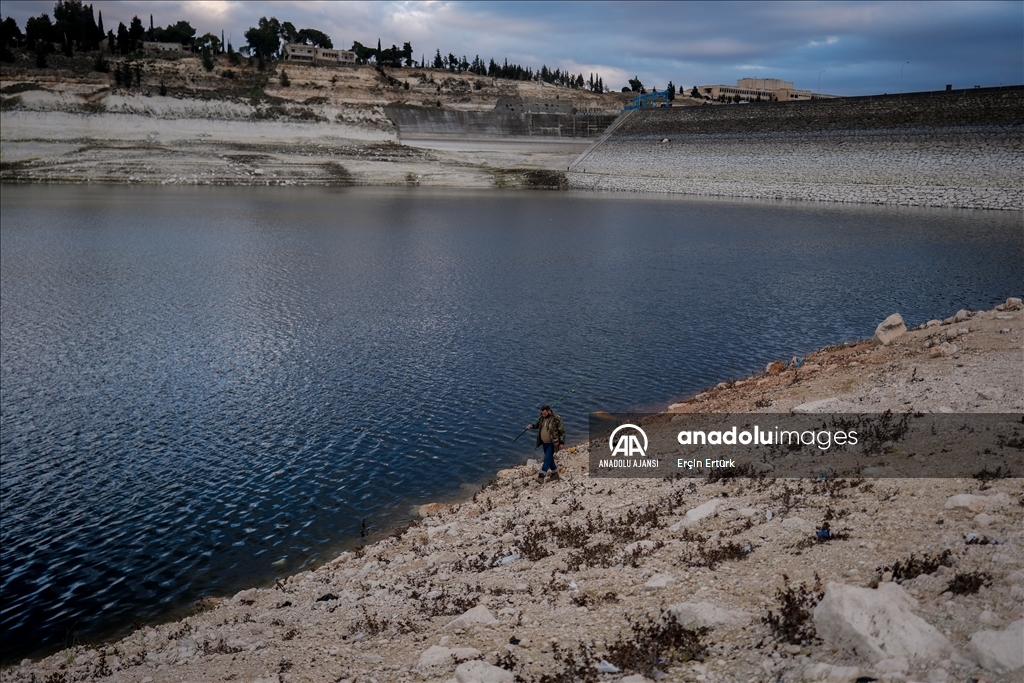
(960, 149)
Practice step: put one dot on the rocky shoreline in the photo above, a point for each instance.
(681, 580)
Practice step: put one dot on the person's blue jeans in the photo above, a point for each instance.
(549, 459)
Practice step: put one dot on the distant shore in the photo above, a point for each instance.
(531, 580)
(962, 151)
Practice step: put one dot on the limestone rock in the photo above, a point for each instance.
(988, 618)
(889, 329)
(431, 509)
(707, 615)
(482, 672)
(434, 657)
(1012, 304)
(635, 678)
(959, 317)
(976, 503)
(697, 514)
(877, 625)
(478, 616)
(984, 519)
(942, 350)
(659, 581)
(815, 406)
(438, 657)
(1000, 651)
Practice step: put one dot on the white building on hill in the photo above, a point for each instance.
(317, 55)
(767, 89)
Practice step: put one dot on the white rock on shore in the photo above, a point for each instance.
(1000, 651)
(878, 625)
(890, 328)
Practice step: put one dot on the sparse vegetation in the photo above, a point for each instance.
(968, 583)
(656, 642)
(711, 555)
(794, 621)
(914, 566)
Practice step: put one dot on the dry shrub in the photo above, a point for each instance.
(794, 622)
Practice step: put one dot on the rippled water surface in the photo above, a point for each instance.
(203, 389)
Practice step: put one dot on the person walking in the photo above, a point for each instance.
(550, 435)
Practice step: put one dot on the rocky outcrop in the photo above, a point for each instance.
(890, 328)
(878, 625)
(1000, 651)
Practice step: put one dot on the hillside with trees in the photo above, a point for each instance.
(76, 47)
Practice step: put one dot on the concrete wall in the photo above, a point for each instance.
(414, 123)
(961, 149)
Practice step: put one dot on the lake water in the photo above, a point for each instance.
(206, 388)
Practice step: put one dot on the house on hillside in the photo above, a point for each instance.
(153, 46)
(317, 55)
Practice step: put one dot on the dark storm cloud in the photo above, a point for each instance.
(861, 46)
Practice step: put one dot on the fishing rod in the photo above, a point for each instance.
(594, 367)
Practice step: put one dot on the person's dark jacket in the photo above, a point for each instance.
(557, 430)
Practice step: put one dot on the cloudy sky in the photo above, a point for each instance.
(855, 48)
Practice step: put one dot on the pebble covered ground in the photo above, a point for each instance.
(950, 150)
(681, 580)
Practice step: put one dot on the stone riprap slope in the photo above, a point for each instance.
(957, 150)
(678, 580)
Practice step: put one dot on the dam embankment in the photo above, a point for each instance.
(962, 149)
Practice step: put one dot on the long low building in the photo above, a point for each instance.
(763, 89)
(308, 54)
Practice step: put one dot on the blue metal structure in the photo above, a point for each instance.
(649, 101)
